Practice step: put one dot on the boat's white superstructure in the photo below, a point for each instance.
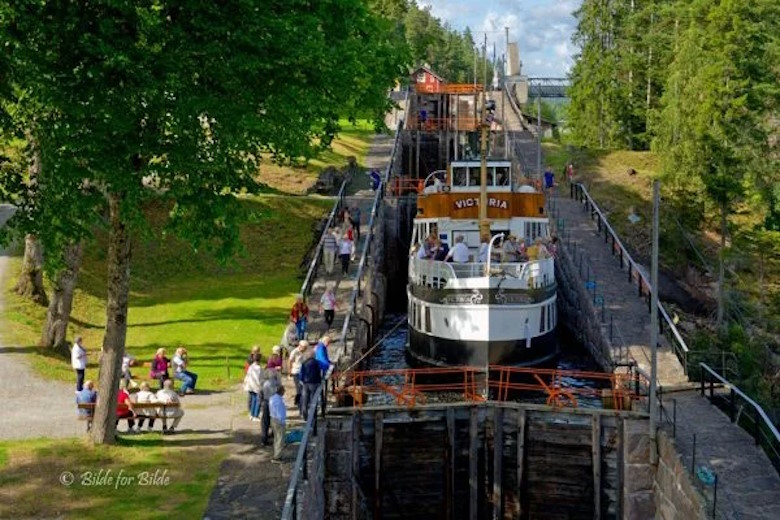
(496, 307)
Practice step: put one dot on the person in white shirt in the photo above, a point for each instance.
(345, 253)
(188, 379)
(145, 396)
(78, 360)
(253, 384)
(127, 362)
(168, 396)
(509, 250)
(328, 305)
(295, 360)
(483, 249)
(278, 422)
(459, 252)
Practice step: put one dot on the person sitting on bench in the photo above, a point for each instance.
(145, 396)
(87, 395)
(168, 396)
(124, 407)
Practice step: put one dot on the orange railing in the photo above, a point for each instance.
(433, 124)
(409, 387)
(404, 186)
(448, 88)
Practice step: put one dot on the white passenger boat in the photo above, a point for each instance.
(497, 309)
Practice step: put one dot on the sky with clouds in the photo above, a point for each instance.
(542, 29)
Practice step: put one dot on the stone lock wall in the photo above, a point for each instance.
(638, 472)
(575, 306)
(675, 495)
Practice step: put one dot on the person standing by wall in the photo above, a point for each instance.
(78, 360)
(278, 422)
(295, 361)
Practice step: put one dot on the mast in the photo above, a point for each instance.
(484, 224)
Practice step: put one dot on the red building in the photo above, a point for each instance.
(426, 80)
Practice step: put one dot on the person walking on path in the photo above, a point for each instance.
(549, 180)
(167, 396)
(270, 385)
(354, 219)
(311, 377)
(253, 385)
(328, 305)
(346, 248)
(78, 360)
(300, 316)
(295, 361)
(188, 379)
(330, 246)
(278, 422)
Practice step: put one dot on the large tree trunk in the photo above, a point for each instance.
(58, 315)
(30, 283)
(722, 265)
(104, 427)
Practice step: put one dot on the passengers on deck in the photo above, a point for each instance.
(459, 252)
(509, 252)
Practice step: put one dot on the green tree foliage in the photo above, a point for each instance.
(176, 101)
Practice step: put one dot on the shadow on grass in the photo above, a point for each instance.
(182, 438)
(226, 314)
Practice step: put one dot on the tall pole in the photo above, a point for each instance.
(654, 325)
(539, 134)
(484, 225)
(505, 95)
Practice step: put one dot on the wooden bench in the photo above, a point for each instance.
(156, 407)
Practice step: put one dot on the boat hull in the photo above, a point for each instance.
(432, 350)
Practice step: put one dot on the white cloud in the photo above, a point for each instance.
(542, 28)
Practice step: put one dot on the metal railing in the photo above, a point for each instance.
(736, 404)
(666, 324)
(300, 469)
(410, 387)
(536, 273)
(311, 274)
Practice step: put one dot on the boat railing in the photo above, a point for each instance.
(433, 273)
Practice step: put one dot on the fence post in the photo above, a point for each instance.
(693, 456)
(757, 431)
(715, 496)
(702, 381)
(712, 389)
(732, 405)
(674, 418)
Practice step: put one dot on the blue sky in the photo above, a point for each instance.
(542, 28)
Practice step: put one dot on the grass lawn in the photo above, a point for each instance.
(353, 141)
(179, 297)
(143, 477)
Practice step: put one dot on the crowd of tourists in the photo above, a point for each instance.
(306, 366)
(510, 249)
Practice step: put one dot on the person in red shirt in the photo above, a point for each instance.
(300, 315)
(124, 408)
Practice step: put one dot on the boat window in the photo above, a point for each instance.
(459, 176)
(549, 317)
(429, 327)
(474, 177)
(502, 176)
(541, 321)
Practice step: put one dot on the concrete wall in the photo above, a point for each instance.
(577, 313)
(675, 495)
